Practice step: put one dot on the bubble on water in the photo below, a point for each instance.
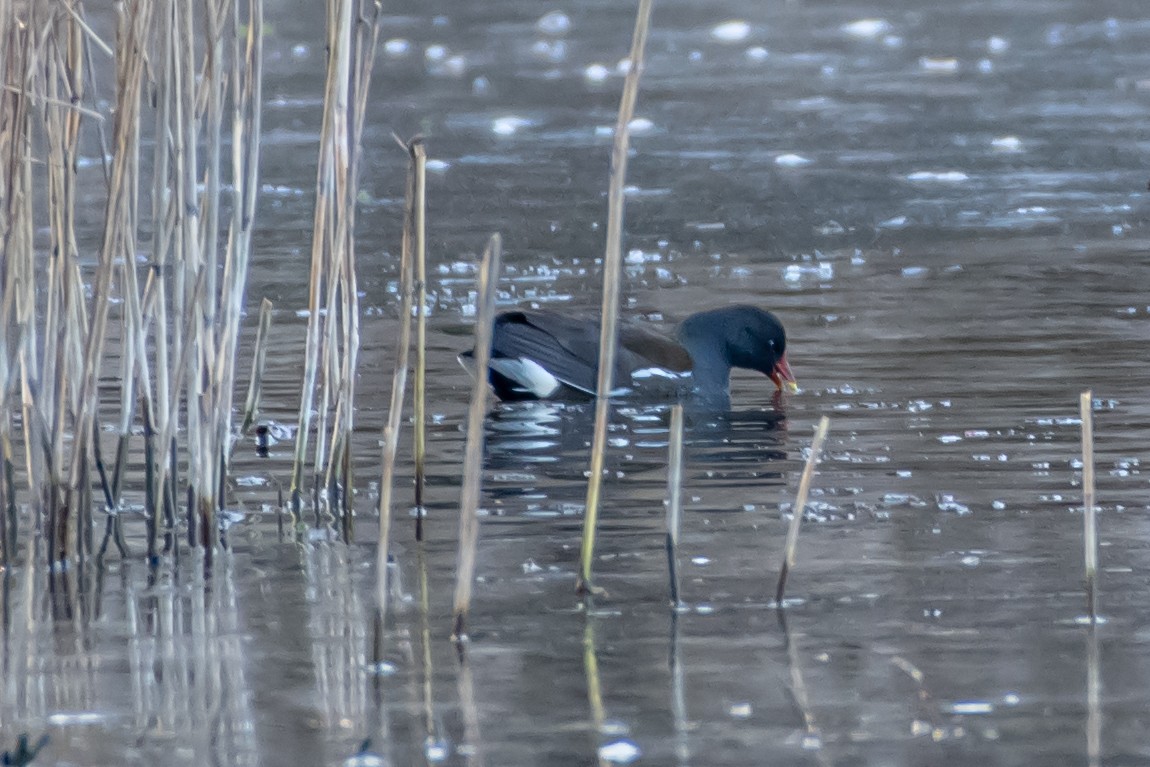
(530, 566)
(731, 31)
(757, 53)
(997, 44)
(300, 51)
(998, 505)
(949, 439)
(866, 29)
(554, 23)
(596, 73)
(701, 561)
(971, 707)
(550, 50)
(985, 66)
(971, 560)
(435, 52)
(397, 47)
(509, 125)
(894, 222)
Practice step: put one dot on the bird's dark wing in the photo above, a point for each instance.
(567, 348)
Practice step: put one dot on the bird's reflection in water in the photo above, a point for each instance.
(542, 449)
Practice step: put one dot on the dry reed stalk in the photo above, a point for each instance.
(391, 437)
(419, 158)
(247, 88)
(15, 242)
(473, 452)
(332, 350)
(674, 499)
(612, 265)
(1090, 537)
(792, 543)
(118, 243)
(259, 359)
(325, 193)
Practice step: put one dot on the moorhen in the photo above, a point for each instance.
(544, 355)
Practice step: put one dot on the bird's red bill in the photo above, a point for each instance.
(783, 377)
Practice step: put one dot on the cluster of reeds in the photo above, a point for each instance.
(187, 79)
(160, 311)
(332, 344)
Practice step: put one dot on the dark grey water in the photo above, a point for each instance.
(946, 205)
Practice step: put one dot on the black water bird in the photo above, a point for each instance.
(545, 355)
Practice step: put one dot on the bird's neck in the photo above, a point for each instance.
(710, 369)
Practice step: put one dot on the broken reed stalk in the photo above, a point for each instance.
(259, 360)
(792, 543)
(391, 439)
(1090, 538)
(473, 452)
(419, 447)
(609, 313)
(674, 499)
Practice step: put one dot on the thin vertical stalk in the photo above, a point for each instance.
(1090, 536)
(419, 158)
(612, 265)
(674, 499)
(259, 360)
(473, 455)
(791, 547)
(390, 448)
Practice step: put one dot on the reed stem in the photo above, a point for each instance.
(419, 158)
(473, 455)
(1090, 537)
(791, 547)
(259, 360)
(674, 500)
(612, 266)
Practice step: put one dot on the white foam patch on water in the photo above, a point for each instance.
(620, 752)
(944, 176)
(938, 65)
(757, 53)
(866, 29)
(640, 125)
(798, 272)
(1006, 144)
(509, 125)
(971, 707)
(791, 160)
(731, 31)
